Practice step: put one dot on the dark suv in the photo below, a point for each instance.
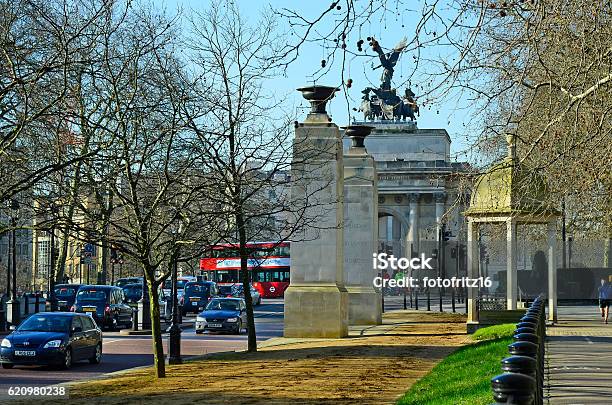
(197, 294)
(65, 295)
(105, 304)
(133, 293)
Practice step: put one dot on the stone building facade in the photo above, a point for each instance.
(418, 191)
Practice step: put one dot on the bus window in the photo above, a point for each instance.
(281, 251)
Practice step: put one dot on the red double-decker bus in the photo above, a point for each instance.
(268, 261)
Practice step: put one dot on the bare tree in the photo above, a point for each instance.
(43, 45)
(244, 133)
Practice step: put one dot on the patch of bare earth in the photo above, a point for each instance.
(370, 370)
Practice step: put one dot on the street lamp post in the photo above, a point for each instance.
(52, 297)
(12, 306)
(8, 264)
(174, 331)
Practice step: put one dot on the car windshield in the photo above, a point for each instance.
(124, 281)
(222, 305)
(91, 295)
(180, 284)
(46, 323)
(133, 291)
(225, 289)
(197, 289)
(239, 289)
(65, 291)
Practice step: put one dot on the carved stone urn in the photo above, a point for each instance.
(318, 96)
(357, 133)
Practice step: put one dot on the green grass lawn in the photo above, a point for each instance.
(464, 377)
(494, 332)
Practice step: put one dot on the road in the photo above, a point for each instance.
(123, 352)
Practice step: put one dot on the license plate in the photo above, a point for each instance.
(194, 299)
(25, 353)
(215, 325)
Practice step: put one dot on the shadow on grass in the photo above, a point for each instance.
(461, 378)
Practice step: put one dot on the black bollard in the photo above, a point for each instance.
(26, 304)
(519, 364)
(525, 329)
(526, 337)
(428, 299)
(36, 303)
(416, 300)
(513, 388)
(532, 325)
(529, 318)
(523, 348)
(533, 312)
(135, 320)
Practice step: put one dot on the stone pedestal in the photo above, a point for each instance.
(316, 300)
(360, 236)
(13, 312)
(144, 315)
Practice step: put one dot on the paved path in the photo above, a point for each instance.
(579, 358)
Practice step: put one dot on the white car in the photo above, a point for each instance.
(238, 292)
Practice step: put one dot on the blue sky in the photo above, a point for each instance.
(442, 113)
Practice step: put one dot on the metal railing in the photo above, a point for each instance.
(522, 381)
(491, 302)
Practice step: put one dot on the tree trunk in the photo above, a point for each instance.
(156, 338)
(246, 283)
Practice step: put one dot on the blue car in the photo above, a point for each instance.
(52, 338)
(222, 315)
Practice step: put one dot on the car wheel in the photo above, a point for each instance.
(239, 328)
(67, 359)
(97, 357)
(259, 301)
(199, 332)
(7, 365)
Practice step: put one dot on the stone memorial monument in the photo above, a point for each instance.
(316, 302)
(360, 229)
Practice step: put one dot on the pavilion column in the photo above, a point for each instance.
(552, 271)
(472, 271)
(413, 223)
(511, 274)
(440, 199)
